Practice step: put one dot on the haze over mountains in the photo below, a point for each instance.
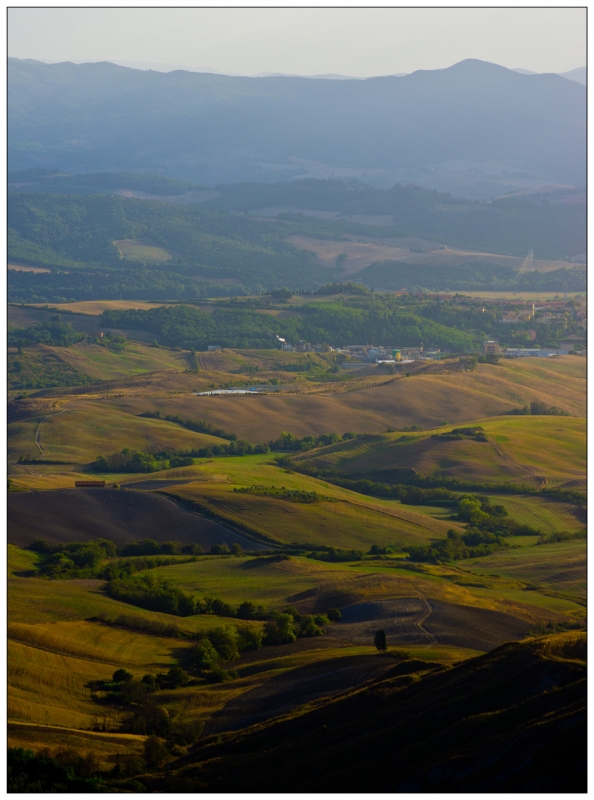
(476, 129)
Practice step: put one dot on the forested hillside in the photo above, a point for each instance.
(361, 320)
(102, 246)
(510, 225)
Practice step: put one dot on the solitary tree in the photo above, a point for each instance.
(380, 641)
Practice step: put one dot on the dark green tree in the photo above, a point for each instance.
(380, 641)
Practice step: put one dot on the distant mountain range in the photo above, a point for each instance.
(475, 129)
(579, 74)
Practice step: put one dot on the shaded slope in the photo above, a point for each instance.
(512, 720)
(417, 620)
(74, 515)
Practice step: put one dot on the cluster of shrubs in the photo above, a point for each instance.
(538, 408)
(441, 483)
(85, 559)
(473, 543)
(336, 555)
(288, 441)
(476, 433)
(562, 537)
(54, 332)
(156, 595)
(198, 426)
(293, 495)
(343, 288)
(138, 461)
(60, 771)
(160, 595)
(236, 447)
(147, 717)
(489, 358)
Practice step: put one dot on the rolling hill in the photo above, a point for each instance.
(534, 451)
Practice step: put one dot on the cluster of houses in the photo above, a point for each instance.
(365, 352)
(545, 314)
(491, 347)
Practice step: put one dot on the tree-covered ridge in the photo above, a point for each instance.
(377, 319)
(470, 276)
(115, 283)
(77, 232)
(74, 233)
(55, 332)
(509, 226)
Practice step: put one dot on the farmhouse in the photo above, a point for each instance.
(491, 347)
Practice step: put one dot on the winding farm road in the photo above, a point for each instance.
(40, 447)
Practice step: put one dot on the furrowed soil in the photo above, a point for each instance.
(73, 515)
(418, 620)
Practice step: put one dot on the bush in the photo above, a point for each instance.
(219, 675)
(122, 676)
(249, 638)
(220, 549)
(205, 656)
(280, 630)
(155, 751)
(225, 642)
(177, 677)
(309, 626)
(249, 610)
(35, 774)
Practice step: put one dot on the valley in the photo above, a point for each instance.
(296, 405)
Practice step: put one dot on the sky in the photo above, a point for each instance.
(357, 42)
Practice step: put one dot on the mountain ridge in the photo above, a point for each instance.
(217, 129)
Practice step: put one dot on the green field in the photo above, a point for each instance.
(103, 364)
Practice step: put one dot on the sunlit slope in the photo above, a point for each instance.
(541, 512)
(340, 518)
(103, 364)
(426, 400)
(522, 449)
(85, 429)
(560, 566)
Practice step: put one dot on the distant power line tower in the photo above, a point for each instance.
(527, 264)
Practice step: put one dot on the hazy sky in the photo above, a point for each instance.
(305, 41)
